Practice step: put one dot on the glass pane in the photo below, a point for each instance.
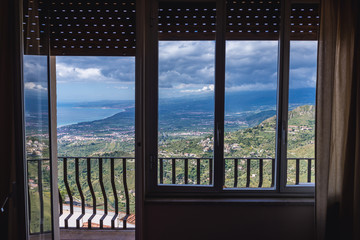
(96, 132)
(186, 34)
(186, 111)
(37, 118)
(37, 143)
(301, 123)
(250, 113)
(252, 33)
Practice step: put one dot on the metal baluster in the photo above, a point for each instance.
(261, 170)
(92, 193)
(236, 168)
(161, 170)
(103, 193)
(297, 172)
(248, 168)
(66, 221)
(60, 200)
(272, 172)
(114, 192)
(126, 194)
(77, 180)
(309, 171)
(60, 205)
(198, 171)
(173, 171)
(41, 197)
(29, 200)
(186, 168)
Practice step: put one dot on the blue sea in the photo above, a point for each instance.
(67, 115)
(71, 113)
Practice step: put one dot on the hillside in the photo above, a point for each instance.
(257, 141)
(106, 138)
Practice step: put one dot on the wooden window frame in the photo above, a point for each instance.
(281, 189)
(150, 114)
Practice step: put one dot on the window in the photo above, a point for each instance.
(250, 107)
(96, 140)
(94, 45)
(301, 117)
(186, 111)
(234, 95)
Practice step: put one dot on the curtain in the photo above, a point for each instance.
(12, 220)
(338, 122)
(5, 130)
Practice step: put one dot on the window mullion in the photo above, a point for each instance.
(283, 97)
(150, 103)
(219, 95)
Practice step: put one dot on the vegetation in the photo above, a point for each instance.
(34, 195)
(191, 137)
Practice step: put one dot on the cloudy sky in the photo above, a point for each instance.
(185, 68)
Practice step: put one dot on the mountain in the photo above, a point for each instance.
(301, 115)
(256, 118)
(253, 142)
(183, 114)
(114, 137)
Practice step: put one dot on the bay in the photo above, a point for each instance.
(67, 115)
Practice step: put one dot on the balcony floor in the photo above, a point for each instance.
(96, 234)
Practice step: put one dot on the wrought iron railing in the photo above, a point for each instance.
(310, 173)
(92, 186)
(96, 209)
(247, 165)
(248, 162)
(198, 166)
(38, 190)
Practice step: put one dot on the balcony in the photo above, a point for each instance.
(99, 193)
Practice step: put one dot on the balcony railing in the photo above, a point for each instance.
(94, 192)
(248, 164)
(85, 173)
(239, 172)
(168, 167)
(38, 190)
(310, 171)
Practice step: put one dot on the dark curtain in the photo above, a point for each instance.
(338, 122)
(12, 220)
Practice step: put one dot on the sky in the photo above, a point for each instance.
(185, 68)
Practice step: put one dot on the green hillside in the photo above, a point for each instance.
(110, 140)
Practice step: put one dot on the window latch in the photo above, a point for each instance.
(7, 198)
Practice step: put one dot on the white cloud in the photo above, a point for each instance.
(254, 53)
(34, 86)
(303, 77)
(35, 65)
(35, 70)
(209, 88)
(186, 62)
(253, 87)
(88, 73)
(181, 50)
(69, 73)
(121, 87)
(93, 70)
(166, 78)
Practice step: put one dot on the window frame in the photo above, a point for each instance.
(280, 189)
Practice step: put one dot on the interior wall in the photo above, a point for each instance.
(234, 220)
(12, 219)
